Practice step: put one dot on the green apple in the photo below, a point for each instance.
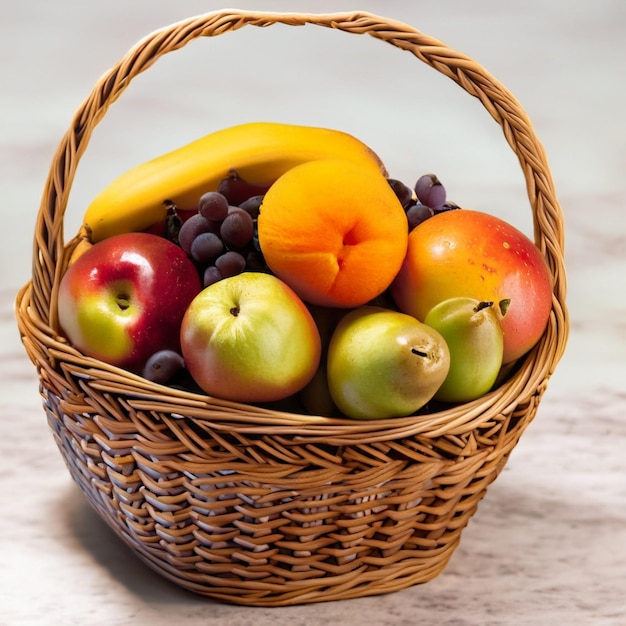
(473, 332)
(249, 338)
(383, 363)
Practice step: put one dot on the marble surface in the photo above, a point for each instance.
(548, 544)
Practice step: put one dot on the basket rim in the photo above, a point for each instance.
(36, 302)
(48, 352)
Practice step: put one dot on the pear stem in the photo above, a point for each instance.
(483, 305)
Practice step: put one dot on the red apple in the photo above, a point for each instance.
(249, 338)
(466, 253)
(124, 298)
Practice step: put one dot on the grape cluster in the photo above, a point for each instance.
(222, 237)
(426, 199)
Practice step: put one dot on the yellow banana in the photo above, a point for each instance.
(260, 152)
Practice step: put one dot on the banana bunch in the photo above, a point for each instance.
(260, 152)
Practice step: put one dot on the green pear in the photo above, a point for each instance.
(382, 363)
(474, 336)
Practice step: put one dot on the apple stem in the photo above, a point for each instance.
(419, 352)
(483, 305)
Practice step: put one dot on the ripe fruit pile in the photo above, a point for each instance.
(273, 263)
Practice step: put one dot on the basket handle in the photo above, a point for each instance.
(49, 245)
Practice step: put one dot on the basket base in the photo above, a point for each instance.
(359, 585)
(237, 585)
(251, 591)
(240, 587)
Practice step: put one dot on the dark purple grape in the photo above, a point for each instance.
(236, 189)
(213, 205)
(211, 275)
(403, 193)
(448, 206)
(430, 191)
(252, 205)
(163, 366)
(206, 247)
(255, 262)
(417, 214)
(237, 229)
(230, 263)
(190, 229)
(256, 246)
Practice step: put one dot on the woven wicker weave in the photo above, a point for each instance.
(261, 507)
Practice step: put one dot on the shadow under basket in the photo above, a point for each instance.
(262, 507)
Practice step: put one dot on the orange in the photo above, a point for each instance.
(334, 231)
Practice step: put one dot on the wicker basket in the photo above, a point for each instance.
(260, 507)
